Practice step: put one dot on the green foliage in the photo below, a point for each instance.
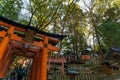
(99, 12)
(11, 8)
(1, 1)
(110, 32)
(45, 12)
(113, 14)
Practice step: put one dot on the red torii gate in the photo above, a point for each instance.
(34, 42)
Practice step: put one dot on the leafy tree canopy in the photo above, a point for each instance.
(110, 33)
(11, 8)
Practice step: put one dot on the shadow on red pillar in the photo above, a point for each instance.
(6, 63)
(35, 67)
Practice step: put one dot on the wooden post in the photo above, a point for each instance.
(6, 64)
(38, 67)
(31, 77)
(4, 61)
(3, 47)
(106, 70)
(44, 58)
(5, 41)
(34, 68)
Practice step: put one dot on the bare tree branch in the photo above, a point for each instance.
(32, 16)
(53, 16)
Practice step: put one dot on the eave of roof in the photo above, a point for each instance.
(73, 72)
(57, 36)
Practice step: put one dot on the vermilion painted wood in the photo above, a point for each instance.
(9, 25)
(23, 30)
(21, 47)
(20, 53)
(6, 65)
(35, 43)
(34, 70)
(5, 58)
(39, 66)
(4, 42)
(52, 39)
(44, 59)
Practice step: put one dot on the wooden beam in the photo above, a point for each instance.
(23, 30)
(27, 54)
(16, 38)
(53, 48)
(9, 25)
(35, 43)
(50, 38)
(50, 47)
(22, 48)
(40, 44)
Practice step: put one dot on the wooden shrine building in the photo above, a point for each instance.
(27, 41)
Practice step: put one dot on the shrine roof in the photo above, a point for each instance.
(57, 36)
(73, 72)
(113, 52)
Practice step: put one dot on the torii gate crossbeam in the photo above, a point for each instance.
(39, 66)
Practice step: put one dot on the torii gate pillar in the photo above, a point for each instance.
(40, 58)
(5, 41)
(44, 59)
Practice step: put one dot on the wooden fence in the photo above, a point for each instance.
(93, 75)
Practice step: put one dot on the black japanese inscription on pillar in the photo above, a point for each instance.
(29, 35)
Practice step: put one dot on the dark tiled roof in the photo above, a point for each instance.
(114, 52)
(57, 36)
(73, 72)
